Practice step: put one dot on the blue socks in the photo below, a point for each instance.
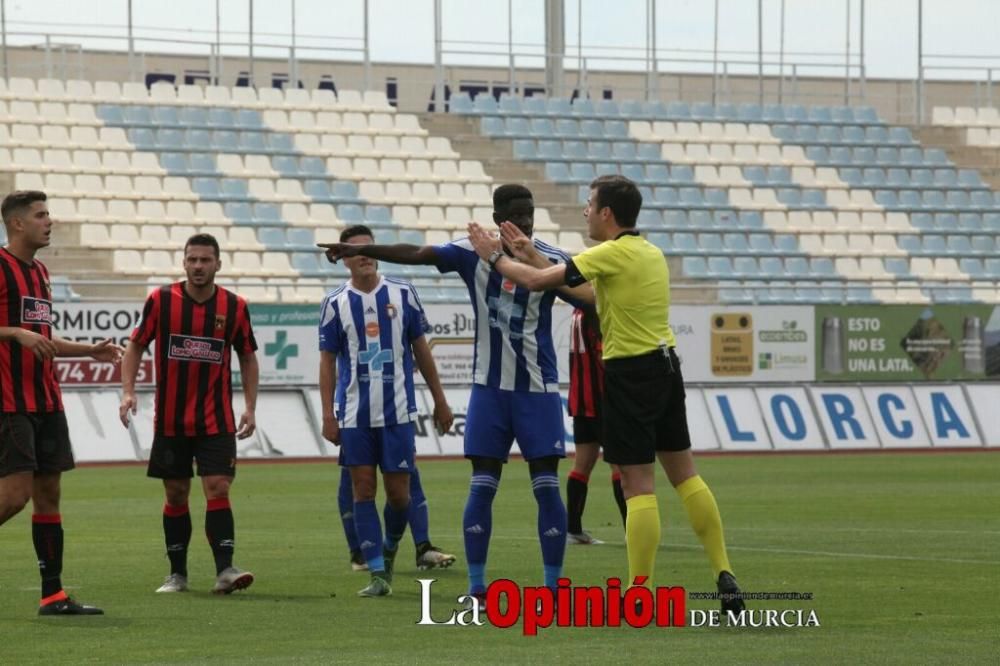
(345, 504)
(418, 516)
(370, 534)
(551, 524)
(395, 525)
(477, 525)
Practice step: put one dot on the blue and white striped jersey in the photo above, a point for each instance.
(514, 349)
(371, 336)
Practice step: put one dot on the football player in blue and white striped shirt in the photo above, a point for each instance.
(371, 332)
(515, 394)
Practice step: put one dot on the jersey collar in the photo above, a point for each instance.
(627, 232)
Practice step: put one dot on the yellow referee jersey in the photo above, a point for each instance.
(632, 282)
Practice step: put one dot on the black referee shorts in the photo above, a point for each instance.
(644, 408)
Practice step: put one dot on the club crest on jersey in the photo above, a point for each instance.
(35, 310)
(508, 286)
(390, 310)
(220, 321)
(371, 329)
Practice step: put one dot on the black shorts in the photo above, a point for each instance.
(35, 442)
(173, 457)
(644, 408)
(587, 429)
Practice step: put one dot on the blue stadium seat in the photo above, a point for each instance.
(946, 222)
(898, 266)
(607, 107)
(318, 190)
(909, 243)
(785, 243)
(300, 238)
(634, 172)
(350, 214)
(983, 244)
(981, 199)
(141, 116)
(694, 267)
(111, 114)
(709, 243)
(558, 106)
(650, 219)
(751, 219)
(720, 267)
(828, 134)
(253, 143)
(822, 267)
(761, 243)
(678, 110)
(684, 243)
(460, 102)
(959, 245)
(307, 263)
(934, 245)
(592, 129)
(542, 128)
(582, 172)
(485, 104)
(623, 150)
(548, 150)
(771, 266)
(681, 174)
(774, 113)
(374, 215)
(272, 237)
(247, 119)
(239, 212)
(286, 165)
(865, 114)
(745, 267)
(736, 243)
(701, 219)
(790, 196)
(657, 174)
(202, 164)
(970, 178)
(749, 113)
(784, 133)
(991, 221)
(875, 134)
(312, 166)
(991, 268)
(667, 196)
(897, 177)
(266, 213)
(174, 163)
(660, 240)
(606, 169)
(345, 190)
(191, 116)
(492, 126)
(922, 220)
(674, 219)
(842, 114)
(567, 128)
(557, 172)
(598, 150)
(575, 150)
(206, 188)
(582, 106)
(797, 266)
(534, 106)
(820, 114)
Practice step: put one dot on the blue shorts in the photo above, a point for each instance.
(496, 418)
(392, 448)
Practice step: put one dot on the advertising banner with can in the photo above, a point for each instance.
(907, 342)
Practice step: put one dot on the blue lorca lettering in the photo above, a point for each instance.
(946, 418)
(735, 433)
(887, 403)
(782, 404)
(841, 411)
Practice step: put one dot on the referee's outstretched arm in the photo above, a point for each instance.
(529, 277)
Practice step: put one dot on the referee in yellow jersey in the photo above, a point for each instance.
(644, 411)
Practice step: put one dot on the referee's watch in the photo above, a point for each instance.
(494, 258)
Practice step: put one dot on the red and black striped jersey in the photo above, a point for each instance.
(194, 343)
(586, 368)
(27, 384)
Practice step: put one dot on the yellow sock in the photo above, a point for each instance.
(703, 513)
(642, 537)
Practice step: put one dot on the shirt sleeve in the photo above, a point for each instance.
(597, 262)
(329, 327)
(416, 319)
(244, 341)
(145, 332)
(449, 258)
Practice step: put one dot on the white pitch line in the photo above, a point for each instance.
(791, 551)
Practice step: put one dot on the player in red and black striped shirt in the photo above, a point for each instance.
(586, 392)
(34, 437)
(196, 325)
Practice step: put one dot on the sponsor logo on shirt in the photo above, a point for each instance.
(35, 310)
(193, 348)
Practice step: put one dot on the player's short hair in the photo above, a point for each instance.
(505, 194)
(206, 240)
(355, 230)
(18, 200)
(620, 195)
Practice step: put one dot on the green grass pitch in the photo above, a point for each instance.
(901, 553)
